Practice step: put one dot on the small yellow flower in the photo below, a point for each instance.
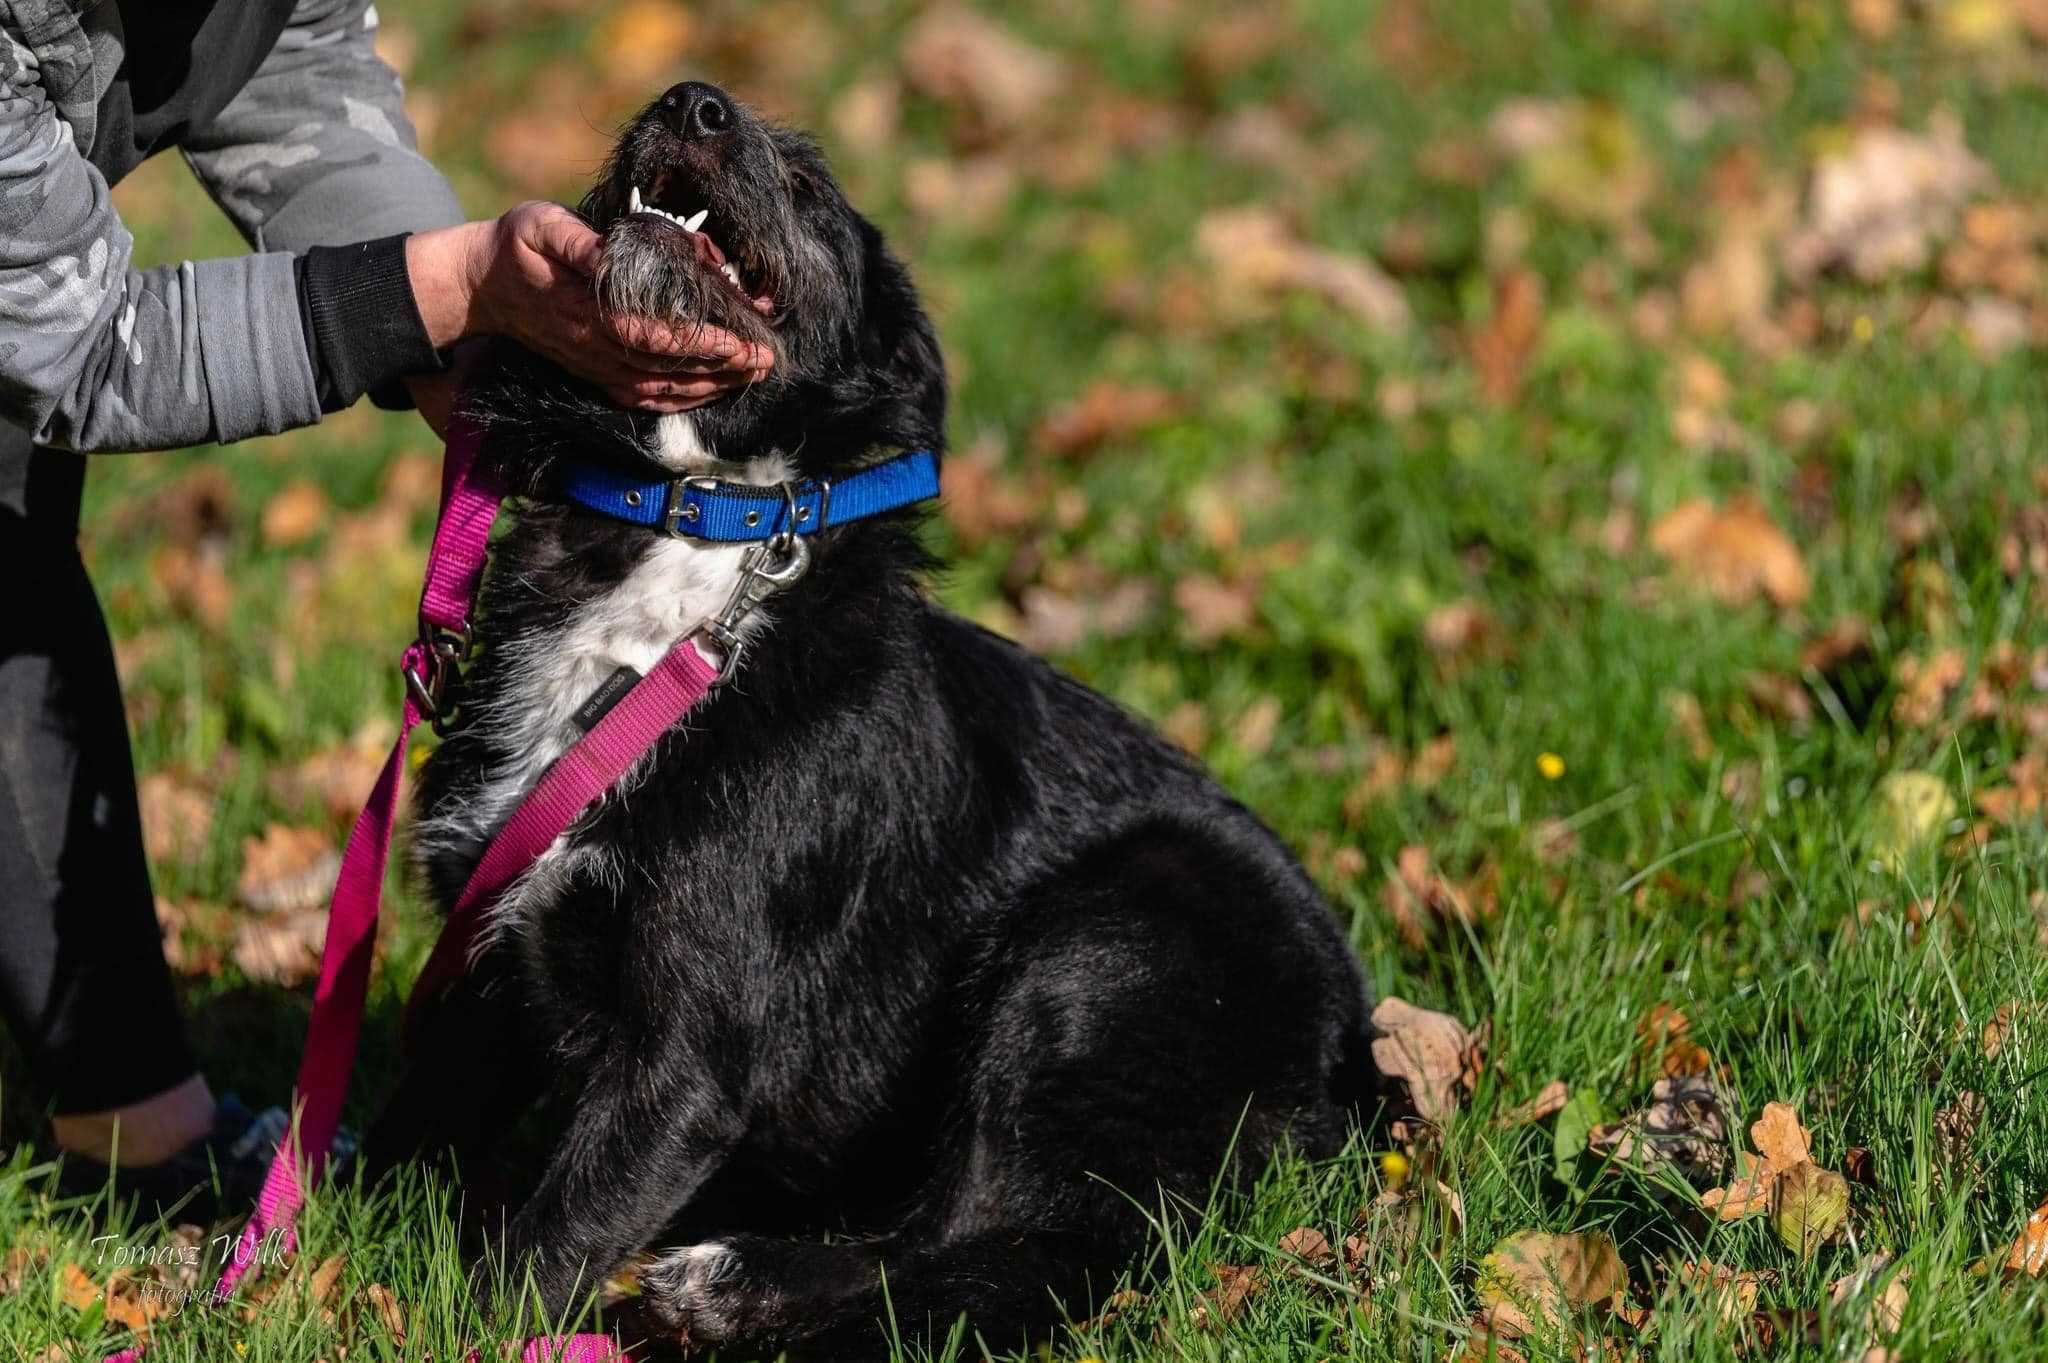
(1549, 765)
(1863, 329)
(1394, 1168)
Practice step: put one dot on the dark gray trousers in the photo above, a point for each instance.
(84, 988)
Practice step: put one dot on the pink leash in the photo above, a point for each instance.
(469, 505)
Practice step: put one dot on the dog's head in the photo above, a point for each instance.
(712, 214)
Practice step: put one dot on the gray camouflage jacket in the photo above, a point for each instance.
(314, 151)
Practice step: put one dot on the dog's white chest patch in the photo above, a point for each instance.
(677, 586)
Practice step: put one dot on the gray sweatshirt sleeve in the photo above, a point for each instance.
(316, 149)
(97, 355)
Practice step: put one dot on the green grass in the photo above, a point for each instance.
(1373, 483)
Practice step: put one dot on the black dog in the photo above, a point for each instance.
(902, 938)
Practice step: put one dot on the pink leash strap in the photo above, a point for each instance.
(470, 497)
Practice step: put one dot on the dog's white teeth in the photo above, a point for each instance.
(633, 200)
(696, 220)
(730, 273)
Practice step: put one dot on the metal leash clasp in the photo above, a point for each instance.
(772, 566)
(443, 651)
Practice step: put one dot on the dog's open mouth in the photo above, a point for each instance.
(690, 219)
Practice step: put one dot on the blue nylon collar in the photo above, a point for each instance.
(707, 509)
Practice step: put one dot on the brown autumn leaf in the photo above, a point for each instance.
(1877, 205)
(1735, 551)
(295, 514)
(1217, 1306)
(1686, 1125)
(1212, 610)
(286, 869)
(210, 923)
(1501, 348)
(193, 583)
(1809, 1207)
(1550, 1099)
(335, 780)
(282, 947)
(1925, 685)
(77, 1287)
(995, 84)
(2029, 1252)
(389, 1313)
(177, 816)
(2013, 1013)
(1887, 1303)
(982, 502)
(1780, 1138)
(1460, 631)
(553, 138)
(1536, 1276)
(1417, 896)
(1732, 1291)
(1426, 1051)
(1256, 256)
(1055, 622)
(1310, 1246)
(1106, 412)
(642, 42)
(1664, 1043)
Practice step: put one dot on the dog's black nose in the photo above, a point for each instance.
(696, 109)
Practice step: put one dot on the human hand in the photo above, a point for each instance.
(527, 275)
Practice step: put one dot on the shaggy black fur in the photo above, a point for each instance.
(918, 944)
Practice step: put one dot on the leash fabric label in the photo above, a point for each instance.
(604, 698)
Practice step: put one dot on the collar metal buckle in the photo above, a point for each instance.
(676, 511)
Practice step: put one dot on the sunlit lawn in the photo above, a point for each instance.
(1414, 588)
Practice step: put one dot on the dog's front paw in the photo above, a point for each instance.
(697, 1293)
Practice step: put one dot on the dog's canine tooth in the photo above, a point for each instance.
(696, 220)
(633, 200)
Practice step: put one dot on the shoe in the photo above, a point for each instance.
(218, 1175)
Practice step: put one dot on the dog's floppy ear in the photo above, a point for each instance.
(901, 352)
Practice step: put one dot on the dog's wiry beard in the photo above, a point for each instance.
(642, 274)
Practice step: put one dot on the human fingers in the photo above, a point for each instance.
(552, 231)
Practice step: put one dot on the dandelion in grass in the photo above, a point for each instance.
(1549, 766)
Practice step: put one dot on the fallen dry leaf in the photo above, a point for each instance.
(1685, 1125)
(1908, 813)
(1810, 1206)
(1998, 1032)
(1537, 1276)
(1877, 206)
(177, 817)
(1417, 897)
(1733, 1291)
(1925, 685)
(1218, 1306)
(1310, 1246)
(1212, 610)
(1887, 1308)
(389, 1313)
(1501, 348)
(643, 41)
(1256, 256)
(1550, 1099)
(2029, 1253)
(287, 869)
(1780, 1138)
(1104, 413)
(295, 514)
(336, 780)
(996, 84)
(282, 947)
(1460, 631)
(1735, 551)
(1424, 1050)
(1665, 1044)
